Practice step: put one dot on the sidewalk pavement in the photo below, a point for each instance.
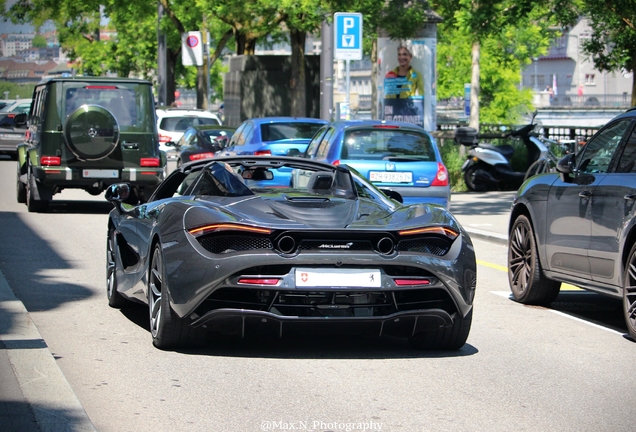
(484, 215)
(34, 394)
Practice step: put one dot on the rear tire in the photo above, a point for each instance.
(629, 293)
(33, 205)
(444, 338)
(21, 193)
(471, 184)
(527, 281)
(167, 329)
(115, 299)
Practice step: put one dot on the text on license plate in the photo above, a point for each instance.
(334, 278)
(390, 177)
(100, 173)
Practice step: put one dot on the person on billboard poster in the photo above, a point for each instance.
(408, 81)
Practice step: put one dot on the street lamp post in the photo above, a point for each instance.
(535, 60)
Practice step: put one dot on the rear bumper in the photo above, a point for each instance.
(416, 195)
(66, 177)
(246, 322)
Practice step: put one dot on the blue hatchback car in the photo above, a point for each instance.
(273, 136)
(394, 156)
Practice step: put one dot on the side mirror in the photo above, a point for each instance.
(294, 152)
(117, 193)
(20, 120)
(566, 166)
(393, 195)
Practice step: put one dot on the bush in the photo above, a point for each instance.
(16, 91)
(453, 161)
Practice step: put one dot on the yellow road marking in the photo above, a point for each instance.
(564, 286)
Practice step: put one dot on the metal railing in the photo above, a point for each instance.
(498, 134)
(623, 100)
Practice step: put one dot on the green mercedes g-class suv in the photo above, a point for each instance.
(88, 133)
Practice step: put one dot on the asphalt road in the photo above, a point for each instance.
(564, 368)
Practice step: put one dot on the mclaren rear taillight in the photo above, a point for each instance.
(258, 281)
(411, 282)
(441, 178)
(263, 153)
(207, 229)
(439, 230)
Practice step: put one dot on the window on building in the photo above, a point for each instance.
(589, 79)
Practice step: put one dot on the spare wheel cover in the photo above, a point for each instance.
(91, 132)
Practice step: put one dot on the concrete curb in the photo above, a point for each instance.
(487, 235)
(55, 406)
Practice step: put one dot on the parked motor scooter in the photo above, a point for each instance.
(488, 166)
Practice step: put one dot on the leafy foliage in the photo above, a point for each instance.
(612, 42)
(16, 91)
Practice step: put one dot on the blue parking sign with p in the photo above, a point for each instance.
(348, 36)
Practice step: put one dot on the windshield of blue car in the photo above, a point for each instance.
(374, 144)
(180, 124)
(291, 130)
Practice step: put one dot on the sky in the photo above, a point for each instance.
(9, 27)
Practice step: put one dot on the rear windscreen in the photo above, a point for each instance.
(383, 143)
(281, 131)
(180, 124)
(130, 103)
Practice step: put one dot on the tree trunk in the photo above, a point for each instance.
(474, 88)
(297, 83)
(374, 79)
(171, 86)
(202, 86)
(250, 46)
(239, 38)
(633, 65)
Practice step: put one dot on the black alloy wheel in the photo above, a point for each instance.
(527, 282)
(629, 293)
(167, 329)
(445, 338)
(115, 299)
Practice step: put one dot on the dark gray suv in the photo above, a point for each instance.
(88, 133)
(578, 225)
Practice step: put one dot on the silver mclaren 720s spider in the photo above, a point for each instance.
(221, 247)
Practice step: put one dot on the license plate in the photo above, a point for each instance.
(11, 136)
(99, 173)
(337, 278)
(390, 177)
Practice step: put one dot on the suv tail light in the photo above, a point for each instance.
(51, 161)
(164, 138)
(149, 162)
(336, 162)
(441, 179)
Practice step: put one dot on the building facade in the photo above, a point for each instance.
(572, 76)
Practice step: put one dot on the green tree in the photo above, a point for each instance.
(39, 41)
(493, 23)
(612, 44)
